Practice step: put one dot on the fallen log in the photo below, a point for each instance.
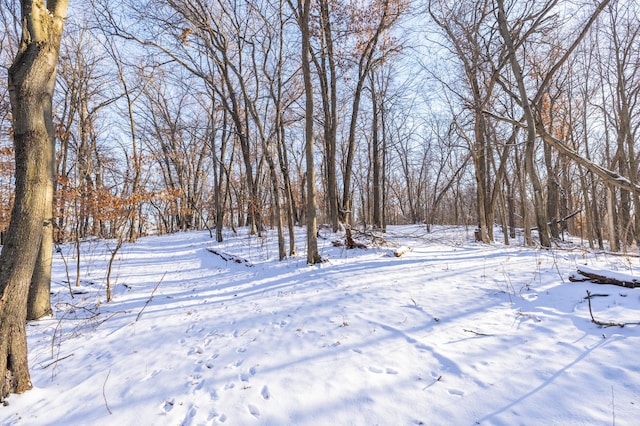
(604, 277)
(598, 322)
(401, 250)
(230, 257)
(350, 243)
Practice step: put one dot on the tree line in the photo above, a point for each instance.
(170, 115)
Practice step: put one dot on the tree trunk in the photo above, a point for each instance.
(326, 68)
(538, 198)
(312, 239)
(39, 300)
(31, 83)
(375, 160)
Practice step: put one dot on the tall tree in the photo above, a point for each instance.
(371, 50)
(473, 42)
(31, 85)
(302, 12)
(530, 168)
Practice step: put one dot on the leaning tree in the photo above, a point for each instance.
(31, 83)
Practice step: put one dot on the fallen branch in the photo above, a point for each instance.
(230, 257)
(377, 240)
(401, 250)
(589, 296)
(604, 277)
(350, 243)
(150, 298)
(57, 360)
(475, 332)
(104, 385)
(602, 323)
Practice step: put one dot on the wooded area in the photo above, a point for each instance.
(191, 115)
(173, 115)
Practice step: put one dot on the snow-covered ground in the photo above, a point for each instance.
(451, 333)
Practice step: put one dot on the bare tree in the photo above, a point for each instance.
(31, 85)
(370, 52)
(540, 213)
(302, 12)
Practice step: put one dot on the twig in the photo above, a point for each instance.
(57, 360)
(596, 295)
(475, 332)
(602, 323)
(114, 252)
(613, 406)
(66, 268)
(230, 257)
(150, 298)
(104, 385)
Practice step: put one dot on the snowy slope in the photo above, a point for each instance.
(453, 332)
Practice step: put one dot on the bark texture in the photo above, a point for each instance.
(31, 83)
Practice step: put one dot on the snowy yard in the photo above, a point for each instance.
(453, 332)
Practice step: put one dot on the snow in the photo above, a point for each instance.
(452, 332)
(619, 276)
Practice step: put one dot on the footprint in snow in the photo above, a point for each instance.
(188, 418)
(192, 412)
(245, 377)
(456, 392)
(379, 370)
(168, 405)
(279, 324)
(265, 392)
(209, 363)
(197, 350)
(150, 375)
(212, 415)
(213, 394)
(199, 386)
(254, 410)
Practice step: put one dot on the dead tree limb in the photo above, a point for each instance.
(602, 323)
(230, 257)
(401, 250)
(350, 243)
(605, 277)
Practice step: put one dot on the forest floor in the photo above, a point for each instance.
(452, 332)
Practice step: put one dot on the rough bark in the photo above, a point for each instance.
(604, 277)
(312, 239)
(39, 300)
(31, 82)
